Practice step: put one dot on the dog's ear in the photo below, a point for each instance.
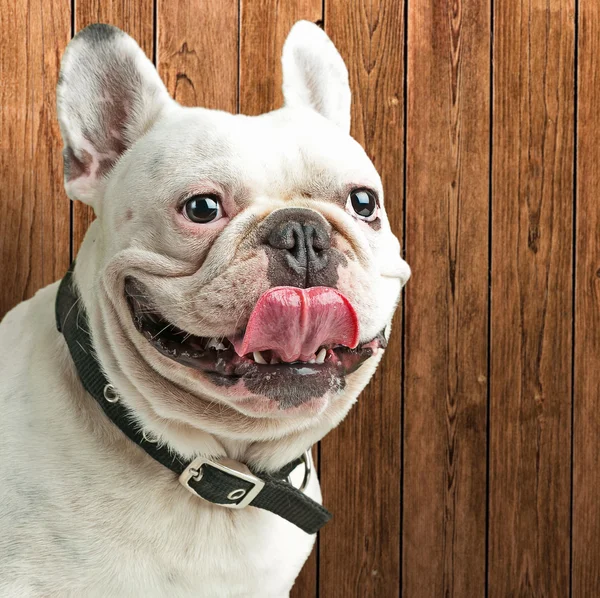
(314, 74)
(109, 94)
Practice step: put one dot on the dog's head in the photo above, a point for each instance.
(241, 273)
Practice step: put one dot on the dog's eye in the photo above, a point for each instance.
(202, 209)
(363, 203)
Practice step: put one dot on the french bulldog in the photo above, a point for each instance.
(238, 286)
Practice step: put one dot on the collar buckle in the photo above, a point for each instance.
(195, 471)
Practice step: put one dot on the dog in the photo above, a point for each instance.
(229, 303)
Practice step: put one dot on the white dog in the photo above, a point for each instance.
(228, 305)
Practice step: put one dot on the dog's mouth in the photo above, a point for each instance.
(273, 357)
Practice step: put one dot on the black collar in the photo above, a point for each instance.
(223, 482)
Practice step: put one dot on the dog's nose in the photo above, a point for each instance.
(303, 237)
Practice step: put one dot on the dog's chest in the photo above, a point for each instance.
(192, 549)
(83, 512)
(133, 531)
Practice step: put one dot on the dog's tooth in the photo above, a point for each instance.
(259, 358)
(321, 356)
(213, 343)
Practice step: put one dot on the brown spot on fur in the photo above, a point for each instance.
(74, 166)
(105, 166)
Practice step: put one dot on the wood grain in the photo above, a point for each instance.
(586, 429)
(360, 460)
(34, 226)
(447, 211)
(261, 42)
(198, 51)
(306, 584)
(136, 18)
(531, 315)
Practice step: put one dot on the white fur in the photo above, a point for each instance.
(314, 74)
(83, 511)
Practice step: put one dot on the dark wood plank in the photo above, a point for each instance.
(34, 226)
(261, 42)
(447, 211)
(198, 51)
(134, 17)
(360, 460)
(586, 429)
(531, 317)
(306, 584)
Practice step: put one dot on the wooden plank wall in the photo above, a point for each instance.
(586, 396)
(447, 205)
(531, 298)
(470, 465)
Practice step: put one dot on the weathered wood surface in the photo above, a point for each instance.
(586, 397)
(446, 344)
(531, 303)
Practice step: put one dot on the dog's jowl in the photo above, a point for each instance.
(229, 303)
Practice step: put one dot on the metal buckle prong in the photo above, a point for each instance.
(229, 466)
(307, 462)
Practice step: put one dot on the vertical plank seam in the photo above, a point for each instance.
(403, 321)
(71, 219)
(29, 117)
(239, 57)
(574, 283)
(489, 306)
(155, 33)
(318, 538)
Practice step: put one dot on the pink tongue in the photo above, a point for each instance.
(295, 322)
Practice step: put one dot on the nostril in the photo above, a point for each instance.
(297, 249)
(316, 248)
(317, 238)
(285, 237)
(290, 238)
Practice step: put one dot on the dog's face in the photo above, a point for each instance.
(243, 262)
